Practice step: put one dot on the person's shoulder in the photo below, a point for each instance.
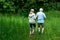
(29, 14)
(33, 14)
(38, 12)
(43, 13)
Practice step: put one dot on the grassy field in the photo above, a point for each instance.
(17, 28)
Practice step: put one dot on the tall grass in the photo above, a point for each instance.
(17, 28)
(13, 27)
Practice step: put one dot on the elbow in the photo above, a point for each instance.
(44, 18)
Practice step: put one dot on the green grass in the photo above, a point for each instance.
(17, 28)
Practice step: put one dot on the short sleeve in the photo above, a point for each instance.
(44, 15)
(34, 15)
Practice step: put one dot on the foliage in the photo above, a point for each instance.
(16, 5)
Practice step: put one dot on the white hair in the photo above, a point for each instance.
(41, 9)
(32, 9)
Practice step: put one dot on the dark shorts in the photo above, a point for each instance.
(40, 24)
(32, 25)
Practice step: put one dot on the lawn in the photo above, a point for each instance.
(17, 27)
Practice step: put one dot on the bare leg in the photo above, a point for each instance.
(30, 30)
(33, 31)
(38, 29)
(42, 29)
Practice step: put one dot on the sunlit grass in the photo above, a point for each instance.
(17, 28)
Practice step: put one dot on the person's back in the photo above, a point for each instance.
(41, 16)
(32, 24)
(31, 18)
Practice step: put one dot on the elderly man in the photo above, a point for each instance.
(40, 16)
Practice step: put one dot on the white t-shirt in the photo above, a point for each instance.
(31, 18)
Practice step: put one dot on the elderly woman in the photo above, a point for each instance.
(31, 18)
